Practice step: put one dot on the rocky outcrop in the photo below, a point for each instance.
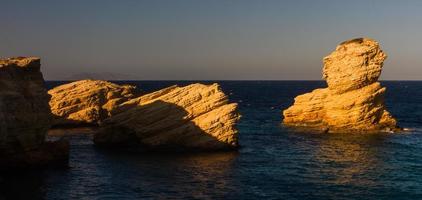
(193, 117)
(353, 100)
(25, 116)
(87, 101)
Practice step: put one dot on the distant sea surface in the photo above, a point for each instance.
(273, 162)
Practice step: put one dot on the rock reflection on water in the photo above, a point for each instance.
(350, 158)
(201, 175)
(60, 132)
(98, 174)
(122, 175)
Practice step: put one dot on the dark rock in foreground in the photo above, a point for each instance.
(25, 117)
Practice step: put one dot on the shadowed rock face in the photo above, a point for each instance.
(87, 101)
(25, 115)
(354, 100)
(24, 112)
(193, 117)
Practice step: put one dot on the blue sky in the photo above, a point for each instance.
(215, 39)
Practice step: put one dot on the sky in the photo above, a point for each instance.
(206, 39)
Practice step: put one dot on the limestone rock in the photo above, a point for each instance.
(354, 100)
(87, 101)
(192, 117)
(25, 115)
(354, 64)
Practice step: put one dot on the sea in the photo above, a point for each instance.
(274, 162)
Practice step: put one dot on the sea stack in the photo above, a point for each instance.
(194, 117)
(87, 102)
(353, 100)
(25, 117)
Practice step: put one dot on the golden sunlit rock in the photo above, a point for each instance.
(354, 100)
(87, 101)
(196, 116)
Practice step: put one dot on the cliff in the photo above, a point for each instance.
(25, 116)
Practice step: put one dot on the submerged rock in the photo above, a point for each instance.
(87, 101)
(193, 117)
(354, 100)
(49, 154)
(25, 116)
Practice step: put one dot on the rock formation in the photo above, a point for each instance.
(87, 101)
(25, 116)
(353, 100)
(192, 117)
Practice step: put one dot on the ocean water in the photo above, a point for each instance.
(272, 163)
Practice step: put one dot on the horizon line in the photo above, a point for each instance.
(215, 79)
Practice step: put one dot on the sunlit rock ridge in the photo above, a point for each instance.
(87, 101)
(25, 117)
(196, 116)
(353, 100)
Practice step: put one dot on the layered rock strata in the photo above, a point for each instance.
(25, 116)
(87, 101)
(196, 116)
(353, 100)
